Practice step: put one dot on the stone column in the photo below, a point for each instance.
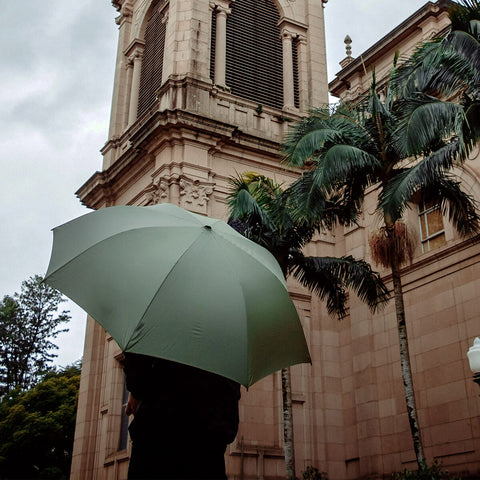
(304, 87)
(129, 77)
(288, 89)
(136, 58)
(124, 21)
(221, 44)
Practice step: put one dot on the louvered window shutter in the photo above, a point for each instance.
(254, 62)
(152, 63)
(296, 84)
(213, 44)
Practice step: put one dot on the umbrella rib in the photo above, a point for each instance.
(221, 247)
(106, 239)
(89, 247)
(165, 279)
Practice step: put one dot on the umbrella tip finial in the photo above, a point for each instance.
(208, 227)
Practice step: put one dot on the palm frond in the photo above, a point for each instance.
(460, 207)
(310, 204)
(330, 277)
(425, 122)
(343, 161)
(406, 182)
(463, 12)
(248, 207)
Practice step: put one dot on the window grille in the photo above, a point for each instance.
(152, 63)
(254, 58)
(296, 85)
(432, 231)
(213, 45)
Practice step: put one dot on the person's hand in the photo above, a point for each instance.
(132, 405)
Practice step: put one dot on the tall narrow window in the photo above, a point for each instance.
(254, 62)
(296, 81)
(432, 231)
(152, 64)
(213, 44)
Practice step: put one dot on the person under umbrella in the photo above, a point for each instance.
(184, 418)
(183, 295)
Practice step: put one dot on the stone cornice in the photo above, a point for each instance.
(162, 127)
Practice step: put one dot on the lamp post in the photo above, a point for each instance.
(474, 360)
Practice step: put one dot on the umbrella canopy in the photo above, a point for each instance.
(180, 286)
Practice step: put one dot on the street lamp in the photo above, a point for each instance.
(474, 359)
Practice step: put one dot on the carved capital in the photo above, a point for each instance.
(135, 56)
(302, 39)
(221, 6)
(134, 51)
(195, 192)
(288, 34)
(156, 192)
(223, 11)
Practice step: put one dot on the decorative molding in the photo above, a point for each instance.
(165, 17)
(126, 12)
(139, 15)
(221, 4)
(195, 192)
(287, 34)
(135, 46)
(156, 192)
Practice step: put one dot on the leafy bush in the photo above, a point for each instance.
(37, 428)
(312, 473)
(425, 472)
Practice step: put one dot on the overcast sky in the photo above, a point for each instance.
(56, 79)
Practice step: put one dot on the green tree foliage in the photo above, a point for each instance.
(371, 143)
(29, 322)
(434, 471)
(313, 473)
(37, 427)
(444, 73)
(263, 211)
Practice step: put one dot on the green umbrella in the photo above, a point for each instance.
(176, 285)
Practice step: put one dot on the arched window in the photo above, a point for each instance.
(152, 64)
(254, 66)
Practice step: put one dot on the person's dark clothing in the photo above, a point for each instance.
(184, 422)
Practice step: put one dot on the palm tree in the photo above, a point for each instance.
(447, 68)
(262, 211)
(369, 144)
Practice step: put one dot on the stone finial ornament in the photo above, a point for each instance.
(348, 48)
(348, 59)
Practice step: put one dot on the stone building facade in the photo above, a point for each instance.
(207, 88)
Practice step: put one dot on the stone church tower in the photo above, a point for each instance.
(204, 89)
(207, 88)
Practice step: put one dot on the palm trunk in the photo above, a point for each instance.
(405, 363)
(289, 445)
(288, 424)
